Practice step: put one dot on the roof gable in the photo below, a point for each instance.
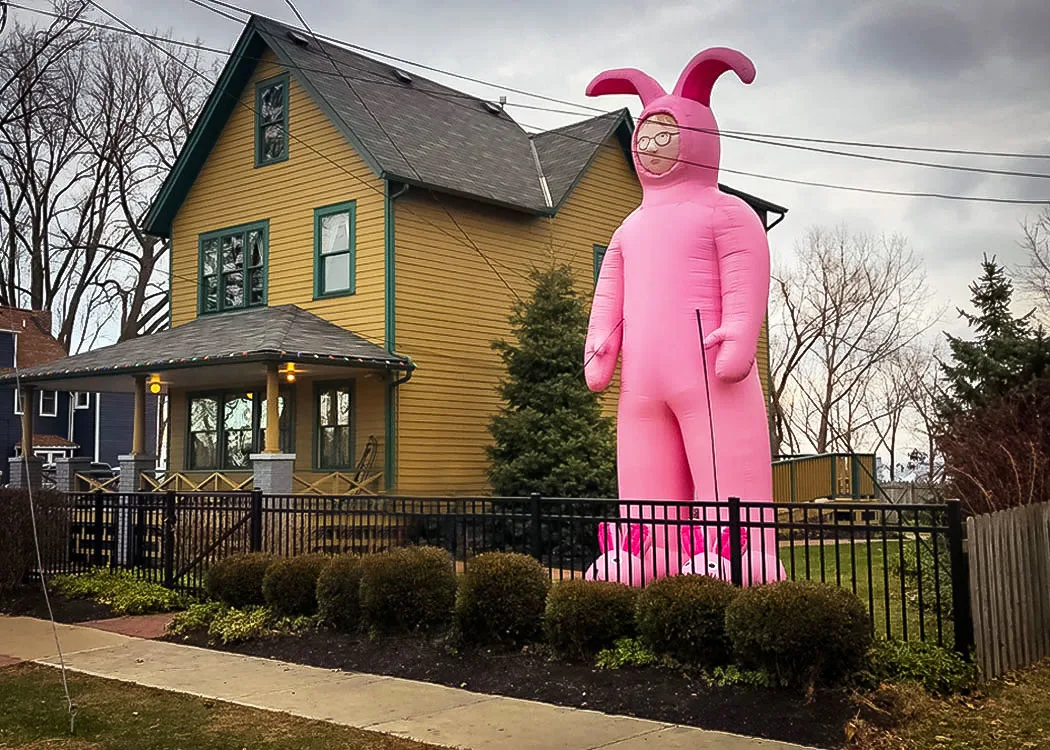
(407, 129)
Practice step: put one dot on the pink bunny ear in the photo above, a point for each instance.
(700, 74)
(606, 537)
(724, 550)
(626, 81)
(637, 540)
(692, 540)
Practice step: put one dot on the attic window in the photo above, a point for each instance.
(271, 120)
(298, 38)
(402, 76)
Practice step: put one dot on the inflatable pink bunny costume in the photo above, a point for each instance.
(688, 247)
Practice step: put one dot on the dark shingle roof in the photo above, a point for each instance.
(283, 332)
(417, 131)
(566, 153)
(420, 132)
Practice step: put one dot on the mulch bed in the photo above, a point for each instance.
(649, 693)
(28, 601)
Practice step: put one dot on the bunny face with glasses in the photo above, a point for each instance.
(656, 143)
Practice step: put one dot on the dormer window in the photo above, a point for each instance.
(271, 120)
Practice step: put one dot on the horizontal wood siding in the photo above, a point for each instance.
(230, 190)
(451, 306)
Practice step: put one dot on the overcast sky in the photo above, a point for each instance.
(967, 74)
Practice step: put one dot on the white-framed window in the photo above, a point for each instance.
(18, 400)
(49, 403)
(81, 400)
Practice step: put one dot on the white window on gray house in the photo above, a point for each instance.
(81, 400)
(18, 401)
(49, 403)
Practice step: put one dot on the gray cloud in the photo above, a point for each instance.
(968, 74)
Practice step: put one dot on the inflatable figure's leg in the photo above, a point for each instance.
(651, 466)
(741, 456)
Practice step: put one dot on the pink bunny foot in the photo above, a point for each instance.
(625, 555)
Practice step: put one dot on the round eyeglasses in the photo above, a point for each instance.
(661, 139)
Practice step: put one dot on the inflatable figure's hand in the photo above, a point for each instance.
(735, 359)
(600, 363)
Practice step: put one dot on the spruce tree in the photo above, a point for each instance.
(550, 435)
(1005, 352)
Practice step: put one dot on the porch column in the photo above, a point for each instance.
(273, 430)
(138, 430)
(26, 470)
(272, 469)
(132, 465)
(66, 470)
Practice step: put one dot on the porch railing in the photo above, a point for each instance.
(179, 482)
(336, 483)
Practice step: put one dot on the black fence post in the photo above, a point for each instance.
(962, 617)
(537, 539)
(100, 522)
(736, 551)
(255, 530)
(169, 540)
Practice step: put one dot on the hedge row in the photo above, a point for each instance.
(802, 633)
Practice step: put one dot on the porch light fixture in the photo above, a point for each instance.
(154, 384)
(289, 371)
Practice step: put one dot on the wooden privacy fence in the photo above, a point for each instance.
(1009, 555)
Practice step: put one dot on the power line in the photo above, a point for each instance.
(379, 124)
(807, 183)
(762, 138)
(579, 106)
(830, 186)
(296, 138)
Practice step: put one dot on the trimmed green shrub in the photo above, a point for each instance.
(339, 593)
(290, 584)
(940, 671)
(237, 580)
(17, 548)
(801, 632)
(685, 618)
(501, 598)
(407, 589)
(583, 617)
(121, 591)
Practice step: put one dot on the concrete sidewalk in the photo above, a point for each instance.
(416, 710)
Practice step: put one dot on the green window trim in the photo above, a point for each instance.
(320, 388)
(599, 256)
(281, 121)
(219, 397)
(323, 258)
(214, 274)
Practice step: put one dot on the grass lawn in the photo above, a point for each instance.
(1008, 714)
(120, 716)
(847, 565)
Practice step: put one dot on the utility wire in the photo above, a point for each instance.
(768, 139)
(588, 108)
(296, 138)
(70, 706)
(401, 153)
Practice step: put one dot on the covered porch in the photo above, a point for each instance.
(225, 378)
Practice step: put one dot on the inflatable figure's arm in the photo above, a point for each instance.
(605, 330)
(743, 263)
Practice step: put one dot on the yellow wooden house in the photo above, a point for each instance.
(347, 240)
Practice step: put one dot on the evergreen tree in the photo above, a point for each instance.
(550, 435)
(1006, 352)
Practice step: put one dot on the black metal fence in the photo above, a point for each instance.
(906, 562)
